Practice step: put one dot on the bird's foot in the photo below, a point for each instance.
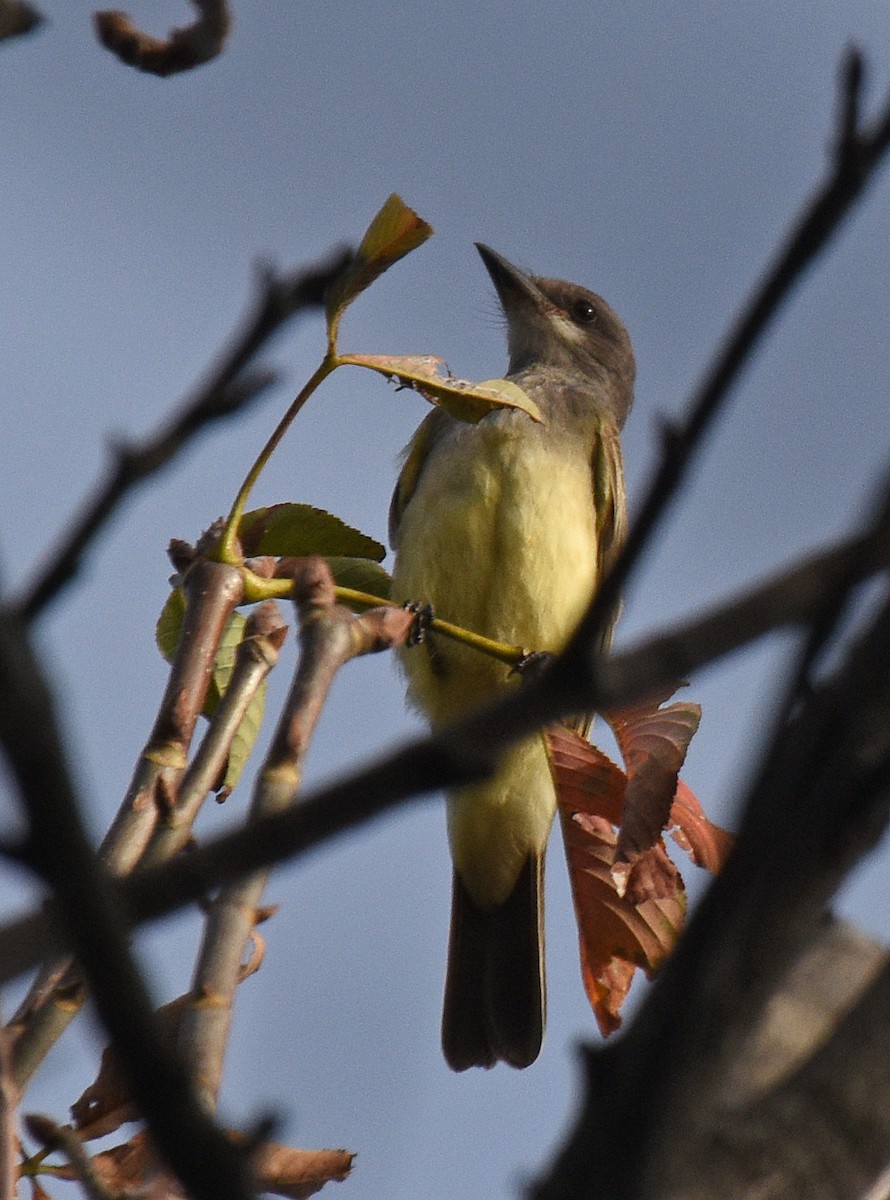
(423, 618)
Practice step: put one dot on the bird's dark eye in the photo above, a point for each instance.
(583, 312)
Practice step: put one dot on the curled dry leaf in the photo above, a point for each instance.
(653, 740)
(281, 1170)
(461, 399)
(106, 1105)
(616, 935)
(706, 843)
(629, 914)
(257, 952)
(395, 231)
(286, 1171)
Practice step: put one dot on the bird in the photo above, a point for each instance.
(507, 527)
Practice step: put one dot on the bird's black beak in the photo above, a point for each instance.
(515, 289)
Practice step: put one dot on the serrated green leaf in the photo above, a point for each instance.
(463, 400)
(245, 737)
(393, 233)
(300, 529)
(362, 575)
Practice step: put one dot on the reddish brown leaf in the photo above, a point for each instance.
(653, 741)
(299, 1173)
(282, 1170)
(706, 843)
(616, 935)
(587, 780)
(121, 1168)
(106, 1105)
(652, 876)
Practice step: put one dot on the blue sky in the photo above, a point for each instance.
(652, 152)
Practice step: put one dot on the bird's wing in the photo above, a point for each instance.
(609, 497)
(610, 506)
(415, 456)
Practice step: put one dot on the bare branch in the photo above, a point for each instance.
(256, 655)
(227, 388)
(212, 590)
(818, 805)
(90, 908)
(9, 1143)
(330, 636)
(858, 155)
(184, 49)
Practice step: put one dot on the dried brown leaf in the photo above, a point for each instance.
(282, 1170)
(106, 1105)
(653, 740)
(706, 843)
(616, 933)
(286, 1171)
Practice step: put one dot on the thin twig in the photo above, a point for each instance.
(858, 153)
(255, 656)
(53, 1136)
(212, 592)
(9, 1143)
(90, 909)
(184, 48)
(330, 635)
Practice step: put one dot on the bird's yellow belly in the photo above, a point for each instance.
(499, 537)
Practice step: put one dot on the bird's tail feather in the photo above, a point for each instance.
(494, 990)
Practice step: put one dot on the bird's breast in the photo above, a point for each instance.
(499, 537)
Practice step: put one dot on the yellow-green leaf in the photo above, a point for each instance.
(393, 233)
(169, 627)
(362, 575)
(224, 662)
(245, 737)
(168, 631)
(463, 400)
(296, 530)
(167, 634)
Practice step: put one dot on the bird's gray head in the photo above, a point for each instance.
(563, 325)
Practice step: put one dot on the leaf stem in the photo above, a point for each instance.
(227, 550)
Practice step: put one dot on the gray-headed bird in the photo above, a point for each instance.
(506, 527)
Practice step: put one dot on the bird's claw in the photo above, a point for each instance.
(423, 618)
(532, 663)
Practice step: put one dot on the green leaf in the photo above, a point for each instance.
(393, 233)
(169, 627)
(299, 529)
(168, 631)
(245, 738)
(362, 575)
(463, 400)
(167, 634)
(224, 662)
